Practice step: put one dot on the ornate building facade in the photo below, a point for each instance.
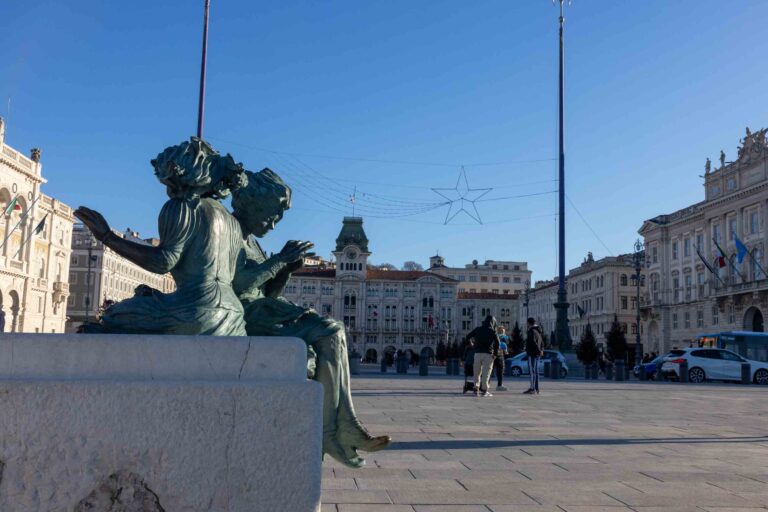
(108, 278)
(598, 291)
(389, 310)
(685, 299)
(499, 277)
(35, 231)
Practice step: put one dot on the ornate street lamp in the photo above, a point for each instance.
(639, 256)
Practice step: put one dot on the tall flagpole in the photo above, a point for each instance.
(562, 331)
(201, 100)
(21, 219)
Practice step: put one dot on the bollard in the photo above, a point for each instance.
(507, 367)
(619, 370)
(354, 363)
(456, 366)
(627, 372)
(609, 371)
(641, 375)
(554, 371)
(682, 372)
(595, 371)
(587, 371)
(746, 373)
(547, 369)
(423, 367)
(383, 364)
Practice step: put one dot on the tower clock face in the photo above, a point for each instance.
(351, 254)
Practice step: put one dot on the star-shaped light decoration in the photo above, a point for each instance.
(460, 197)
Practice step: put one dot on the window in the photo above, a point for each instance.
(754, 225)
(483, 279)
(676, 288)
(623, 302)
(655, 254)
(687, 317)
(700, 318)
(517, 280)
(472, 279)
(623, 280)
(72, 278)
(731, 229)
(716, 232)
(731, 314)
(730, 184)
(687, 247)
(674, 250)
(715, 315)
(688, 286)
(674, 320)
(494, 279)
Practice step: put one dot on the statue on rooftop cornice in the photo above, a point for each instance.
(708, 166)
(722, 159)
(752, 146)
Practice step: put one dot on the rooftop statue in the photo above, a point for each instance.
(258, 207)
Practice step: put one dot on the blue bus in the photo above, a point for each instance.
(752, 345)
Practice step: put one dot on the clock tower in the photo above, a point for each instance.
(352, 249)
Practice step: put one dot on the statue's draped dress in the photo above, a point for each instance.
(200, 245)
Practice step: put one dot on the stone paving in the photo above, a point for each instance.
(580, 446)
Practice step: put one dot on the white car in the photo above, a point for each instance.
(518, 365)
(712, 364)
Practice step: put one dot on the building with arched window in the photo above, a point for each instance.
(694, 287)
(35, 233)
(389, 310)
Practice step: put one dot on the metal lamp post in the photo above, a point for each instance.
(562, 331)
(91, 259)
(639, 256)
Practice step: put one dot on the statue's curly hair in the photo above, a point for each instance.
(194, 169)
(261, 187)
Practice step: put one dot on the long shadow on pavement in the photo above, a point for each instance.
(459, 444)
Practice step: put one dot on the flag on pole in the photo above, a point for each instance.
(705, 262)
(741, 248)
(724, 257)
(40, 226)
(13, 205)
(581, 311)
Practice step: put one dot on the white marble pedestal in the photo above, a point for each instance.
(150, 423)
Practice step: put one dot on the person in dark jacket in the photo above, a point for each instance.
(486, 348)
(534, 348)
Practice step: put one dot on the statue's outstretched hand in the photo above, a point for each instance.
(94, 220)
(294, 250)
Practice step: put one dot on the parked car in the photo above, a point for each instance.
(518, 365)
(712, 364)
(650, 368)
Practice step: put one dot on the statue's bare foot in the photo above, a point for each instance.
(349, 458)
(357, 437)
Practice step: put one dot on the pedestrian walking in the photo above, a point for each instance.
(486, 348)
(501, 355)
(534, 348)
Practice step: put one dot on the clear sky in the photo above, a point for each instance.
(392, 98)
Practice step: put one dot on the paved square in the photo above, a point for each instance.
(580, 446)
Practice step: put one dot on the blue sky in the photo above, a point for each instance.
(392, 98)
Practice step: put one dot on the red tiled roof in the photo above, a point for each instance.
(403, 275)
(375, 274)
(487, 296)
